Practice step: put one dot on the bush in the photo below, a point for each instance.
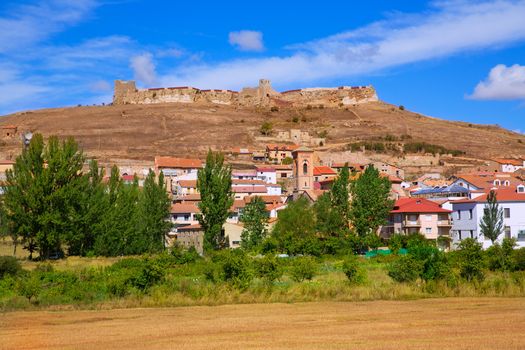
(151, 273)
(471, 260)
(353, 271)
(401, 108)
(303, 268)
(269, 268)
(518, 257)
(29, 287)
(232, 266)
(266, 128)
(274, 109)
(432, 261)
(405, 269)
(182, 256)
(9, 266)
(295, 119)
(397, 242)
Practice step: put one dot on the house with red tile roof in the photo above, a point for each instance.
(510, 165)
(172, 166)
(468, 213)
(276, 153)
(418, 215)
(323, 172)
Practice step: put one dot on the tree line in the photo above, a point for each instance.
(50, 205)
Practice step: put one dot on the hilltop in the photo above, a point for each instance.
(140, 132)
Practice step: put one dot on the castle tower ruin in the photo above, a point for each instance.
(122, 90)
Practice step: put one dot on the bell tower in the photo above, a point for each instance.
(303, 161)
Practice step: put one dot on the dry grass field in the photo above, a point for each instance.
(453, 323)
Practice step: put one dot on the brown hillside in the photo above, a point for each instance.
(143, 131)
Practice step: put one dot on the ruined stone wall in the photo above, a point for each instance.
(263, 95)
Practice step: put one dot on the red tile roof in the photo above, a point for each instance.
(324, 170)
(249, 189)
(193, 197)
(7, 162)
(266, 169)
(182, 163)
(512, 161)
(188, 183)
(417, 205)
(502, 195)
(194, 227)
(275, 147)
(182, 208)
(8, 127)
(247, 181)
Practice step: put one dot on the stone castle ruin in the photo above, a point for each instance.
(264, 95)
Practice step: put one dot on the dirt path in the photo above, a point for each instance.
(422, 324)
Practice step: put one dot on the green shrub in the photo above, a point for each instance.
(30, 287)
(405, 269)
(471, 260)
(295, 119)
(236, 269)
(397, 242)
(182, 256)
(518, 257)
(9, 266)
(353, 271)
(303, 268)
(274, 109)
(432, 261)
(151, 273)
(269, 268)
(266, 128)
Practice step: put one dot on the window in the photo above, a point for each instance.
(507, 182)
(497, 182)
(459, 235)
(521, 189)
(506, 213)
(186, 217)
(305, 168)
(284, 175)
(470, 214)
(428, 217)
(459, 214)
(471, 234)
(521, 235)
(428, 230)
(507, 231)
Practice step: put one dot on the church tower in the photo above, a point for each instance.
(303, 171)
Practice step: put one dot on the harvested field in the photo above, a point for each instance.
(453, 323)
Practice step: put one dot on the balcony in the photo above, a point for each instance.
(444, 223)
(411, 223)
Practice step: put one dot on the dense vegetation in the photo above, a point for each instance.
(232, 276)
(50, 205)
(392, 144)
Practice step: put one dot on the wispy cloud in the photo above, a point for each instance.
(503, 83)
(247, 40)
(448, 28)
(144, 68)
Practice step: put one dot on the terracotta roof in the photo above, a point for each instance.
(250, 172)
(8, 127)
(182, 163)
(188, 183)
(266, 199)
(502, 195)
(193, 227)
(181, 208)
(350, 165)
(282, 167)
(193, 197)
(392, 178)
(324, 170)
(266, 169)
(7, 162)
(417, 205)
(249, 189)
(487, 181)
(282, 147)
(512, 161)
(128, 177)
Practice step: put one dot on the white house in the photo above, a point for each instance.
(467, 215)
(510, 165)
(267, 174)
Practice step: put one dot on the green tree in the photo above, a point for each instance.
(295, 229)
(327, 219)
(471, 259)
(154, 210)
(370, 201)
(254, 218)
(340, 196)
(41, 194)
(214, 184)
(491, 223)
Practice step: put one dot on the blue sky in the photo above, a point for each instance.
(453, 59)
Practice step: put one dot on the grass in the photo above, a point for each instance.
(452, 323)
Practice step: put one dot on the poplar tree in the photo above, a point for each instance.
(254, 218)
(491, 223)
(371, 201)
(214, 184)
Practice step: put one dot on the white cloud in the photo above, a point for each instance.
(247, 40)
(449, 28)
(144, 68)
(503, 83)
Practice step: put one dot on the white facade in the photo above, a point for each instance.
(273, 190)
(270, 177)
(467, 216)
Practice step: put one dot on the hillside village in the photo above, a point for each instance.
(438, 192)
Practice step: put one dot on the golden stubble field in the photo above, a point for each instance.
(453, 323)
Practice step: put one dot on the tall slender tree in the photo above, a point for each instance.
(254, 218)
(340, 197)
(491, 224)
(214, 184)
(371, 201)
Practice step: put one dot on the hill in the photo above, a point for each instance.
(140, 132)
